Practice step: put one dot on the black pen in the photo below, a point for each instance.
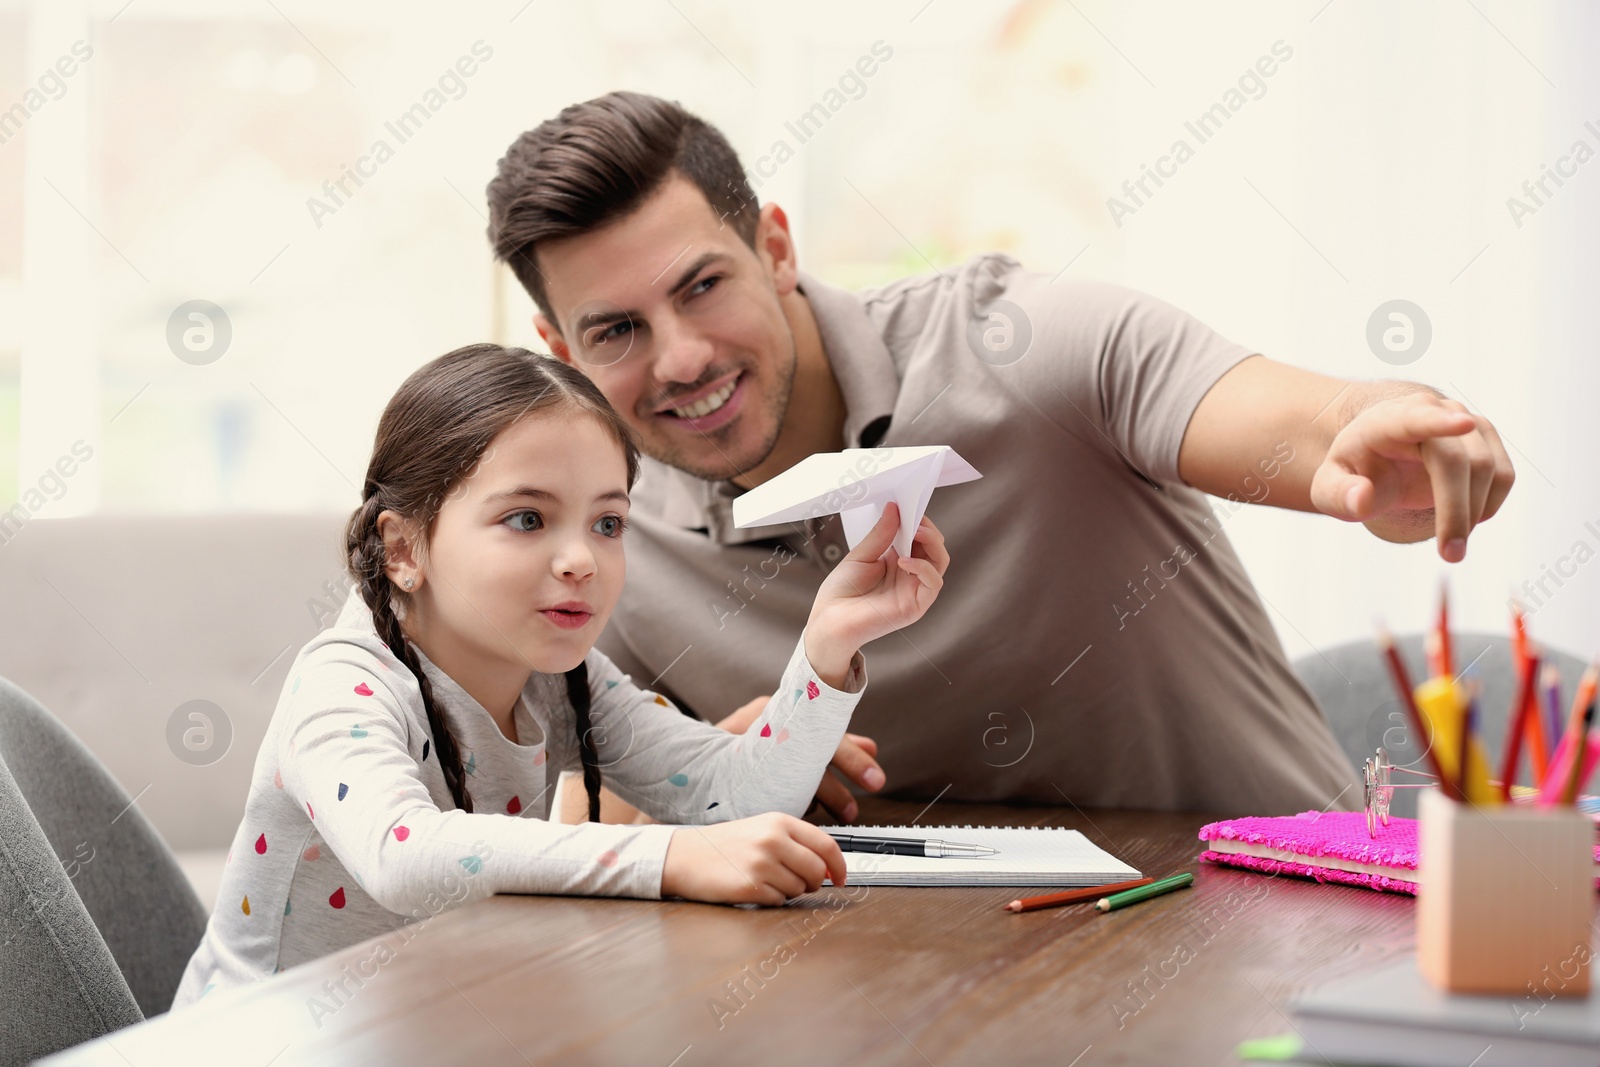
(909, 846)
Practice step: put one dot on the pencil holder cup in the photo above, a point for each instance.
(1505, 897)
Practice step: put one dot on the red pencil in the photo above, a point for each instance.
(1517, 724)
(1074, 896)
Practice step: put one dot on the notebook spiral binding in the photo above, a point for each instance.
(969, 826)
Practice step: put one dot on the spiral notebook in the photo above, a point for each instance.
(1330, 846)
(1027, 856)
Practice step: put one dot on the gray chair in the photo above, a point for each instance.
(99, 921)
(1352, 685)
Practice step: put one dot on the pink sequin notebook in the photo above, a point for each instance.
(1329, 846)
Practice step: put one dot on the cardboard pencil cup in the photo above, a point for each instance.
(1505, 897)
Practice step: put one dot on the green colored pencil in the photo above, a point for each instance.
(1145, 892)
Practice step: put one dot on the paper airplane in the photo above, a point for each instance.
(856, 483)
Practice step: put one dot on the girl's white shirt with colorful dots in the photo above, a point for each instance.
(350, 831)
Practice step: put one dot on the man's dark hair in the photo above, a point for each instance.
(596, 162)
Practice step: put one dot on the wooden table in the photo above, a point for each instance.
(857, 975)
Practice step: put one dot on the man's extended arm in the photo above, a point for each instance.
(1399, 457)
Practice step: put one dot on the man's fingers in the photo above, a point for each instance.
(1480, 464)
(1343, 494)
(1372, 468)
(865, 742)
(835, 799)
(1483, 473)
(1504, 473)
(1450, 474)
(1425, 422)
(1397, 433)
(857, 764)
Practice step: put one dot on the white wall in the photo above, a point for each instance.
(1375, 165)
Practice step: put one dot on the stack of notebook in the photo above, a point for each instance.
(1393, 1016)
(1026, 856)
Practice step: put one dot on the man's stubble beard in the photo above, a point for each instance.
(729, 466)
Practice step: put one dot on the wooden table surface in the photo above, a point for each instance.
(855, 975)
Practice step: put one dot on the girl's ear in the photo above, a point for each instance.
(401, 561)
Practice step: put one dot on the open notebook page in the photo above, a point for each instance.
(1028, 856)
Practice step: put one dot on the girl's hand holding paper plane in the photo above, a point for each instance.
(872, 592)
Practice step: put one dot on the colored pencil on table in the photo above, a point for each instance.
(1145, 892)
(1074, 896)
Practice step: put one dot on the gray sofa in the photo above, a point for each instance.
(115, 623)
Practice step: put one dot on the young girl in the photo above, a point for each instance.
(410, 762)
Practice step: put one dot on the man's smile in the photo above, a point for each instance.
(710, 407)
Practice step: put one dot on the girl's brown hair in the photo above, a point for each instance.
(432, 433)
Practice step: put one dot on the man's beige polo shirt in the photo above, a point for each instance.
(1097, 640)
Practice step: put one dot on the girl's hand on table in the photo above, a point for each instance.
(764, 859)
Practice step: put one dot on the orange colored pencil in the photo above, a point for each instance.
(1519, 635)
(1525, 654)
(1580, 753)
(1587, 686)
(1074, 896)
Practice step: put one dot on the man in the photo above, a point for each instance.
(1098, 641)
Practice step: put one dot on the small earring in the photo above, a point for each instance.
(410, 582)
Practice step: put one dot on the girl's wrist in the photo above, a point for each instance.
(831, 662)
